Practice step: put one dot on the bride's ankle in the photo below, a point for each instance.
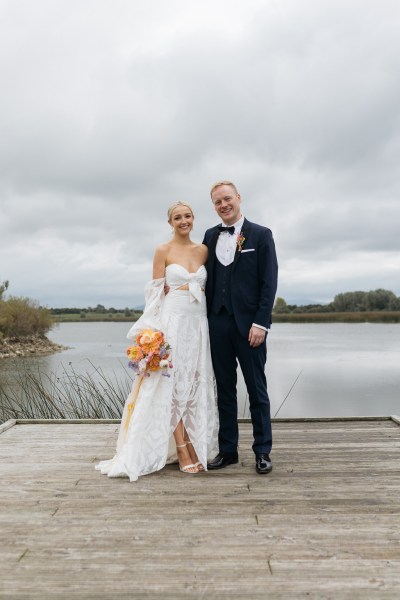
(182, 451)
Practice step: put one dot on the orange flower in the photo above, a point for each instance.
(150, 341)
(154, 363)
(134, 353)
(144, 336)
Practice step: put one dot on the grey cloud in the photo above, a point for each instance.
(109, 116)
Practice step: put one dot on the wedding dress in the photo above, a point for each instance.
(145, 441)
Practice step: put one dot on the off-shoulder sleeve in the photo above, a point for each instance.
(150, 319)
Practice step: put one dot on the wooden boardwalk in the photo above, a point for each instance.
(324, 524)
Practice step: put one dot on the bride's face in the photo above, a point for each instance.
(181, 220)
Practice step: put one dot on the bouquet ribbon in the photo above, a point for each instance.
(131, 404)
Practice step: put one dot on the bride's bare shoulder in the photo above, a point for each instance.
(162, 249)
(202, 251)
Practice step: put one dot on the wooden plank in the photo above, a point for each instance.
(240, 420)
(325, 419)
(324, 524)
(66, 421)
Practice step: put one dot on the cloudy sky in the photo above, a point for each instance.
(112, 110)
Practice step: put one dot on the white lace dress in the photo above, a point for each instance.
(145, 442)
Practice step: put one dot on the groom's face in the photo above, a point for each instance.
(227, 204)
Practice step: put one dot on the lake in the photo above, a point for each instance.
(313, 370)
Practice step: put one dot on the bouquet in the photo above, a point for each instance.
(150, 353)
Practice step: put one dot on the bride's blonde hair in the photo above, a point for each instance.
(175, 205)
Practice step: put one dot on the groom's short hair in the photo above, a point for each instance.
(219, 183)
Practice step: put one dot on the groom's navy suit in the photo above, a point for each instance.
(238, 296)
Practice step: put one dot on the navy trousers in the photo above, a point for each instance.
(228, 346)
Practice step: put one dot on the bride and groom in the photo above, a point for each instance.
(213, 302)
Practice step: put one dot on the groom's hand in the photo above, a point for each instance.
(256, 336)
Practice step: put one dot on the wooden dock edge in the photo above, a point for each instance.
(12, 422)
(7, 425)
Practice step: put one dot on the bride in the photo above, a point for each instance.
(173, 417)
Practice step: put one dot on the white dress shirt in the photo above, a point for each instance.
(226, 248)
(226, 244)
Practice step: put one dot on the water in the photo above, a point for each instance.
(344, 369)
(327, 369)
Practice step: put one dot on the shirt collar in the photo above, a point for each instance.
(238, 225)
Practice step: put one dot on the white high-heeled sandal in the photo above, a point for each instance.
(197, 464)
(186, 468)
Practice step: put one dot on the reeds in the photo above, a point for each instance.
(33, 394)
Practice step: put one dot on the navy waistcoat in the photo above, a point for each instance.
(222, 288)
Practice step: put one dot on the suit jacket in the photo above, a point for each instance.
(254, 276)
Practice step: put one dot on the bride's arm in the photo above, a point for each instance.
(203, 251)
(150, 319)
(154, 295)
(159, 262)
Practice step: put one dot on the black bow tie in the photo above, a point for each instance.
(230, 229)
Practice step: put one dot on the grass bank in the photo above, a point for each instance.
(377, 316)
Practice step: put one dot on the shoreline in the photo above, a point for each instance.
(33, 345)
(376, 316)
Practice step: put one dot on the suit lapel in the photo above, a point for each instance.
(211, 250)
(210, 266)
(245, 231)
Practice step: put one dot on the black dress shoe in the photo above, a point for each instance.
(222, 460)
(263, 464)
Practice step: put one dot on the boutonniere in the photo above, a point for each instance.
(240, 241)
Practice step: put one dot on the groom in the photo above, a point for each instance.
(240, 291)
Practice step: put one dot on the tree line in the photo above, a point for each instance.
(21, 317)
(374, 300)
(99, 310)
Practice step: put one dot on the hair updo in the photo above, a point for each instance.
(175, 205)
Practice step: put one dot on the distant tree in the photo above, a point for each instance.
(292, 307)
(349, 301)
(360, 301)
(315, 308)
(20, 317)
(3, 288)
(127, 312)
(280, 306)
(82, 314)
(100, 309)
(382, 300)
(65, 311)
